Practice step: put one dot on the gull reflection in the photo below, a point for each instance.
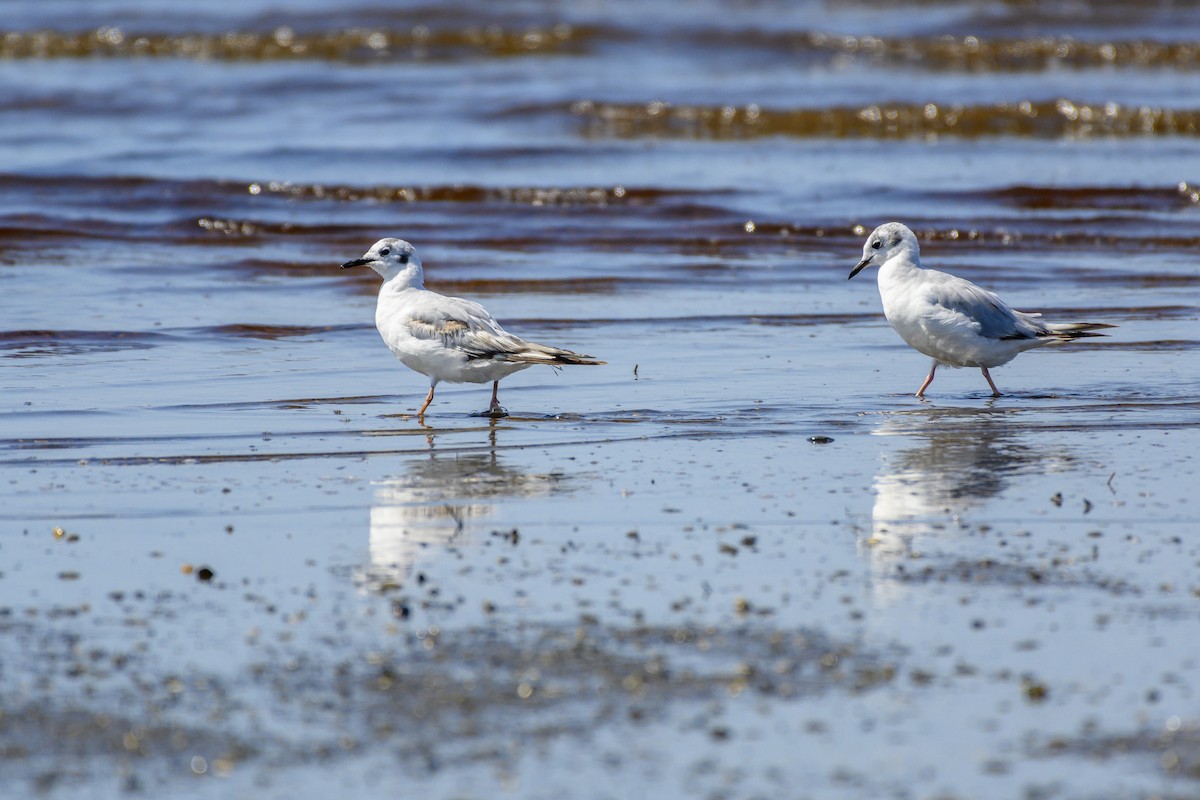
(962, 459)
(414, 516)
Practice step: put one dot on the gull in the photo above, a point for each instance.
(952, 320)
(447, 338)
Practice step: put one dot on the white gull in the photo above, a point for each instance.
(447, 338)
(950, 319)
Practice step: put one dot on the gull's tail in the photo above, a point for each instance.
(540, 354)
(501, 346)
(531, 353)
(1066, 331)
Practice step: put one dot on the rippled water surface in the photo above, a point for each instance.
(740, 560)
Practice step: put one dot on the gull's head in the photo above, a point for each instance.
(889, 239)
(391, 257)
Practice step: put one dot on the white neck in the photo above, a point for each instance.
(902, 266)
(907, 253)
(395, 278)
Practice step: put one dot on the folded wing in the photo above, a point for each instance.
(467, 327)
(992, 318)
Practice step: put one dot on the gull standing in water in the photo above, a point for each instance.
(447, 338)
(950, 319)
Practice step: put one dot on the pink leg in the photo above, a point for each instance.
(995, 391)
(928, 380)
(428, 400)
(495, 410)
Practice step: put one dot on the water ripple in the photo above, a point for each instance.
(284, 43)
(38, 343)
(980, 54)
(959, 53)
(462, 193)
(1047, 119)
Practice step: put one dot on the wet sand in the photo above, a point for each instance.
(517, 601)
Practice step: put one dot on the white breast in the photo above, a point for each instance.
(431, 356)
(912, 305)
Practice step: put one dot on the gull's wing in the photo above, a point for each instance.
(965, 303)
(457, 323)
(466, 326)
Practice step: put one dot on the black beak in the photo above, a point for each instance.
(861, 266)
(358, 262)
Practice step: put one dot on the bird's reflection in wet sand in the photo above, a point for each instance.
(963, 458)
(416, 515)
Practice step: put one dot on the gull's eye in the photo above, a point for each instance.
(404, 258)
(876, 244)
(384, 251)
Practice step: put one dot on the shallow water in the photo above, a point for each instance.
(738, 561)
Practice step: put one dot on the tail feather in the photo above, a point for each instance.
(1075, 330)
(557, 360)
(532, 353)
(504, 347)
